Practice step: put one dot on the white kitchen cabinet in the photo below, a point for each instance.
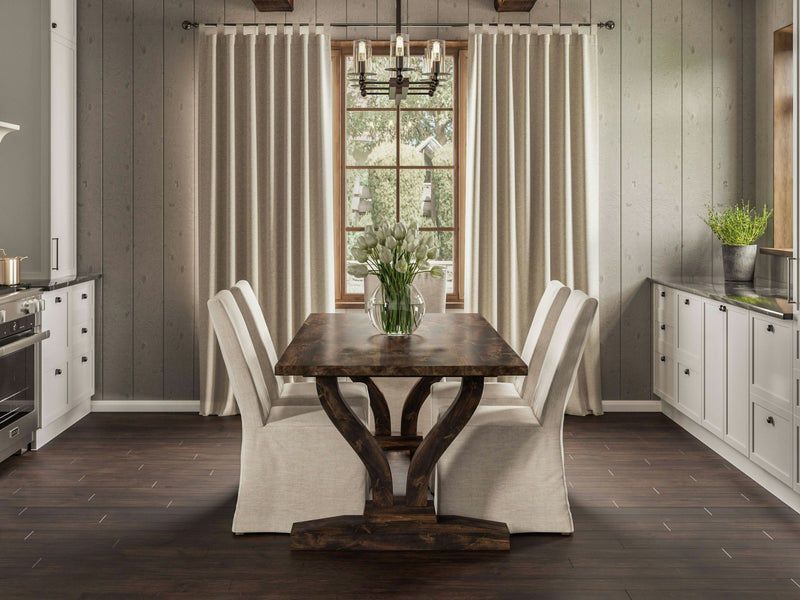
(772, 360)
(664, 372)
(63, 140)
(67, 359)
(690, 328)
(690, 391)
(737, 402)
(772, 440)
(715, 366)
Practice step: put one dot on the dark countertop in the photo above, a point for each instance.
(756, 296)
(46, 286)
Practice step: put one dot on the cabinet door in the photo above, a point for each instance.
(690, 391)
(690, 328)
(772, 441)
(55, 387)
(62, 19)
(714, 366)
(772, 360)
(737, 413)
(81, 379)
(63, 163)
(664, 377)
(54, 320)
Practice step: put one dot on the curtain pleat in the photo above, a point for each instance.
(532, 181)
(265, 182)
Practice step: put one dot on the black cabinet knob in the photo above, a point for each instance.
(770, 420)
(84, 359)
(663, 327)
(84, 330)
(723, 308)
(58, 371)
(663, 359)
(770, 327)
(686, 371)
(663, 294)
(58, 299)
(84, 296)
(686, 302)
(54, 25)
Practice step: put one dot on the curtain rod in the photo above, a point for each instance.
(189, 25)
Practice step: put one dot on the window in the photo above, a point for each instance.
(398, 163)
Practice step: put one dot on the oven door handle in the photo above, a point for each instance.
(23, 343)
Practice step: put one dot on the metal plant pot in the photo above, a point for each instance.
(739, 262)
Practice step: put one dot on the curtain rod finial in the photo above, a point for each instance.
(188, 25)
(608, 25)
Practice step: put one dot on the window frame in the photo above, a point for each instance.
(340, 51)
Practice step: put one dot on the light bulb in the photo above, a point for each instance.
(362, 52)
(399, 46)
(436, 53)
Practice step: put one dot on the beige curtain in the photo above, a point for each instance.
(532, 179)
(265, 182)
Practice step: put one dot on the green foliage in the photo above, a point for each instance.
(442, 187)
(738, 225)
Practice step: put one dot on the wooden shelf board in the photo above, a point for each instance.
(785, 252)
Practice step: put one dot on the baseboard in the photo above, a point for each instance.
(61, 424)
(631, 406)
(146, 406)
(777, 488)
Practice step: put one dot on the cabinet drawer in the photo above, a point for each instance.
(690, 391)
(664, 377)
(81, 302)
(664, 304)
(81, 336)
(664, 337)
(54, 319)
(81, 377)
(690, 326)
(55, 387)
(772, 442)
(772, 360)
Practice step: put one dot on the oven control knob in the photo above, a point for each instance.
(30, 306)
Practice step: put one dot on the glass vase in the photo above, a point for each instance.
(396, 311)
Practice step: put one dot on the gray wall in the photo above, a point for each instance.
(677, 132)
(24, 154)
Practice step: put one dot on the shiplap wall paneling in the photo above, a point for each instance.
(727, 112)
(608, 48)
(90, 159)
(546, 11)
(575, 11)
(748, 170)
(148, 200)
(635, 199)
(180, 364)
(667, 114)
(117, 281)
(240, 11)
(697, 138)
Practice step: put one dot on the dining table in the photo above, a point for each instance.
(330, 346)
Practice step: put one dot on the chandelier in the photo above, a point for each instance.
(399, 86)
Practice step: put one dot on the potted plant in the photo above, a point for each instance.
(396, 254)
(738, 227)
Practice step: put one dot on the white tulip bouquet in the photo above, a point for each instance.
(396, 254)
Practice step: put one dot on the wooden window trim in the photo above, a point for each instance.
(340, 50)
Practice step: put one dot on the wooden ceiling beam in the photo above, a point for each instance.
(274, 5)
(513, 5)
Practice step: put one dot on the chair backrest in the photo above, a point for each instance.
(259, 332)
(561, 361)
(433, 290)
(541, 331)
(240, 359)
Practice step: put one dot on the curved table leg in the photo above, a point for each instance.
(362, 441)
(377, 402)
(414, 401)
(439, 438)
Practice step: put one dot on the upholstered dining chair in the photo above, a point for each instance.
(507, 464)
(395, 389)
(295, 465)
(282, 392)
(539, 334)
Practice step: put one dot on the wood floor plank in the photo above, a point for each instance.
(140, 506)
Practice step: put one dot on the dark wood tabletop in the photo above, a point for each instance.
(449, 344)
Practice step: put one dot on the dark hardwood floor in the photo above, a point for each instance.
(140, 506)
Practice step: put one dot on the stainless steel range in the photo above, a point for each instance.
(21, 336)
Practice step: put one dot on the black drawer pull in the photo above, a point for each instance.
(663, 294)
(58, 371)
(686, 371)
(84, 296)
(686, 302)
(771, 421)
(58, 299)
(54, 25)
(723, 308)
(84, 359)
(663, 327)
(770, 327)
(663, 359)
(84, 330)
